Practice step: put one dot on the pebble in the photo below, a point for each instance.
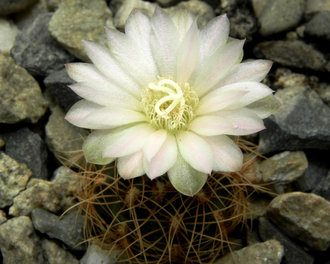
(315, 6)
(96, 255)
(76, 20)
(303, 216)
(323, 188)
(21, 97)
(295, 54)
(293, 253)
(55, 254)
(19, 242)
(13, 6)
(13, 179)
(3, 217)
(8, 33)
(67, 228)
(57, 83)
(270, 251)
(27, 147)
(37, 51)
(319, 26)
(280, 15)
(302, 122)
(259, 6)
(323, 90)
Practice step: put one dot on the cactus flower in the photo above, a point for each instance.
(166, 97)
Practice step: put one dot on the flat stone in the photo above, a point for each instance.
(21, 97)
(125, 9)
(302, 122)
(303, 216)
(57, 83)
(27, 147)
(319, 26)
(55, 254)
(280, 15)
(37, 51)
(68, 228)
(77, 20)
(19, 242)
(243, 23)
(293, 253)
(291, 53)
(13, 6)
(13, 179)
(271, 250)
(315, 6)
(8, 33)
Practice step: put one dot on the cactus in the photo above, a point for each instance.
(153, 223)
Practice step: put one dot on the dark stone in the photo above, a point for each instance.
(291, 53)
(68, 229)
(37, 51)
(243, 23)
(302, 122)
(323, 188)
(27, 147)
(293, 253)
(13, 6)
(319, 26)
(57, 83)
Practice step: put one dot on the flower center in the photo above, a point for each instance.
(169, 105)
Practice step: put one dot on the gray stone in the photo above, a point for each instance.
(37, 51)
(77, 20)
(64, 139)
(68, 228)
(302, 216)
(13, 6)
(280, 15)
(19, 242)
(242, 21)
(259, 6)
(3, 217)
(55, 254)
(315, 6)
(21, 97)
(8, 33)
(293, 253)
(285, 78)
(323, 90)
(125, 9)
(269, 252)
(57, 83)
(302, 122)
(323, 188)
(291, 53)
(27, 147)
(319, 26)
(96, 255)
(315, 173)
(283, 168)
(13, 179)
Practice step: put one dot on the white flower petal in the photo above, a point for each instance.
(253, 91)
(188, 54)
(265, 106)
(164, 42)
(78, 112)
(109, 67)
(127, 140)
(183, 19)
(128, 53)
(138, 28)
(186, 179)
(84, 72)
(227, 155)
(111, 117)
(93, 147)
(216, 67)
(106, 94)
(154, 143)
(131, 166)
(213, 35)
(210, 125)
(245, 121)
(218, 100)
(195, 150)
(163, 160)
(251, 71)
